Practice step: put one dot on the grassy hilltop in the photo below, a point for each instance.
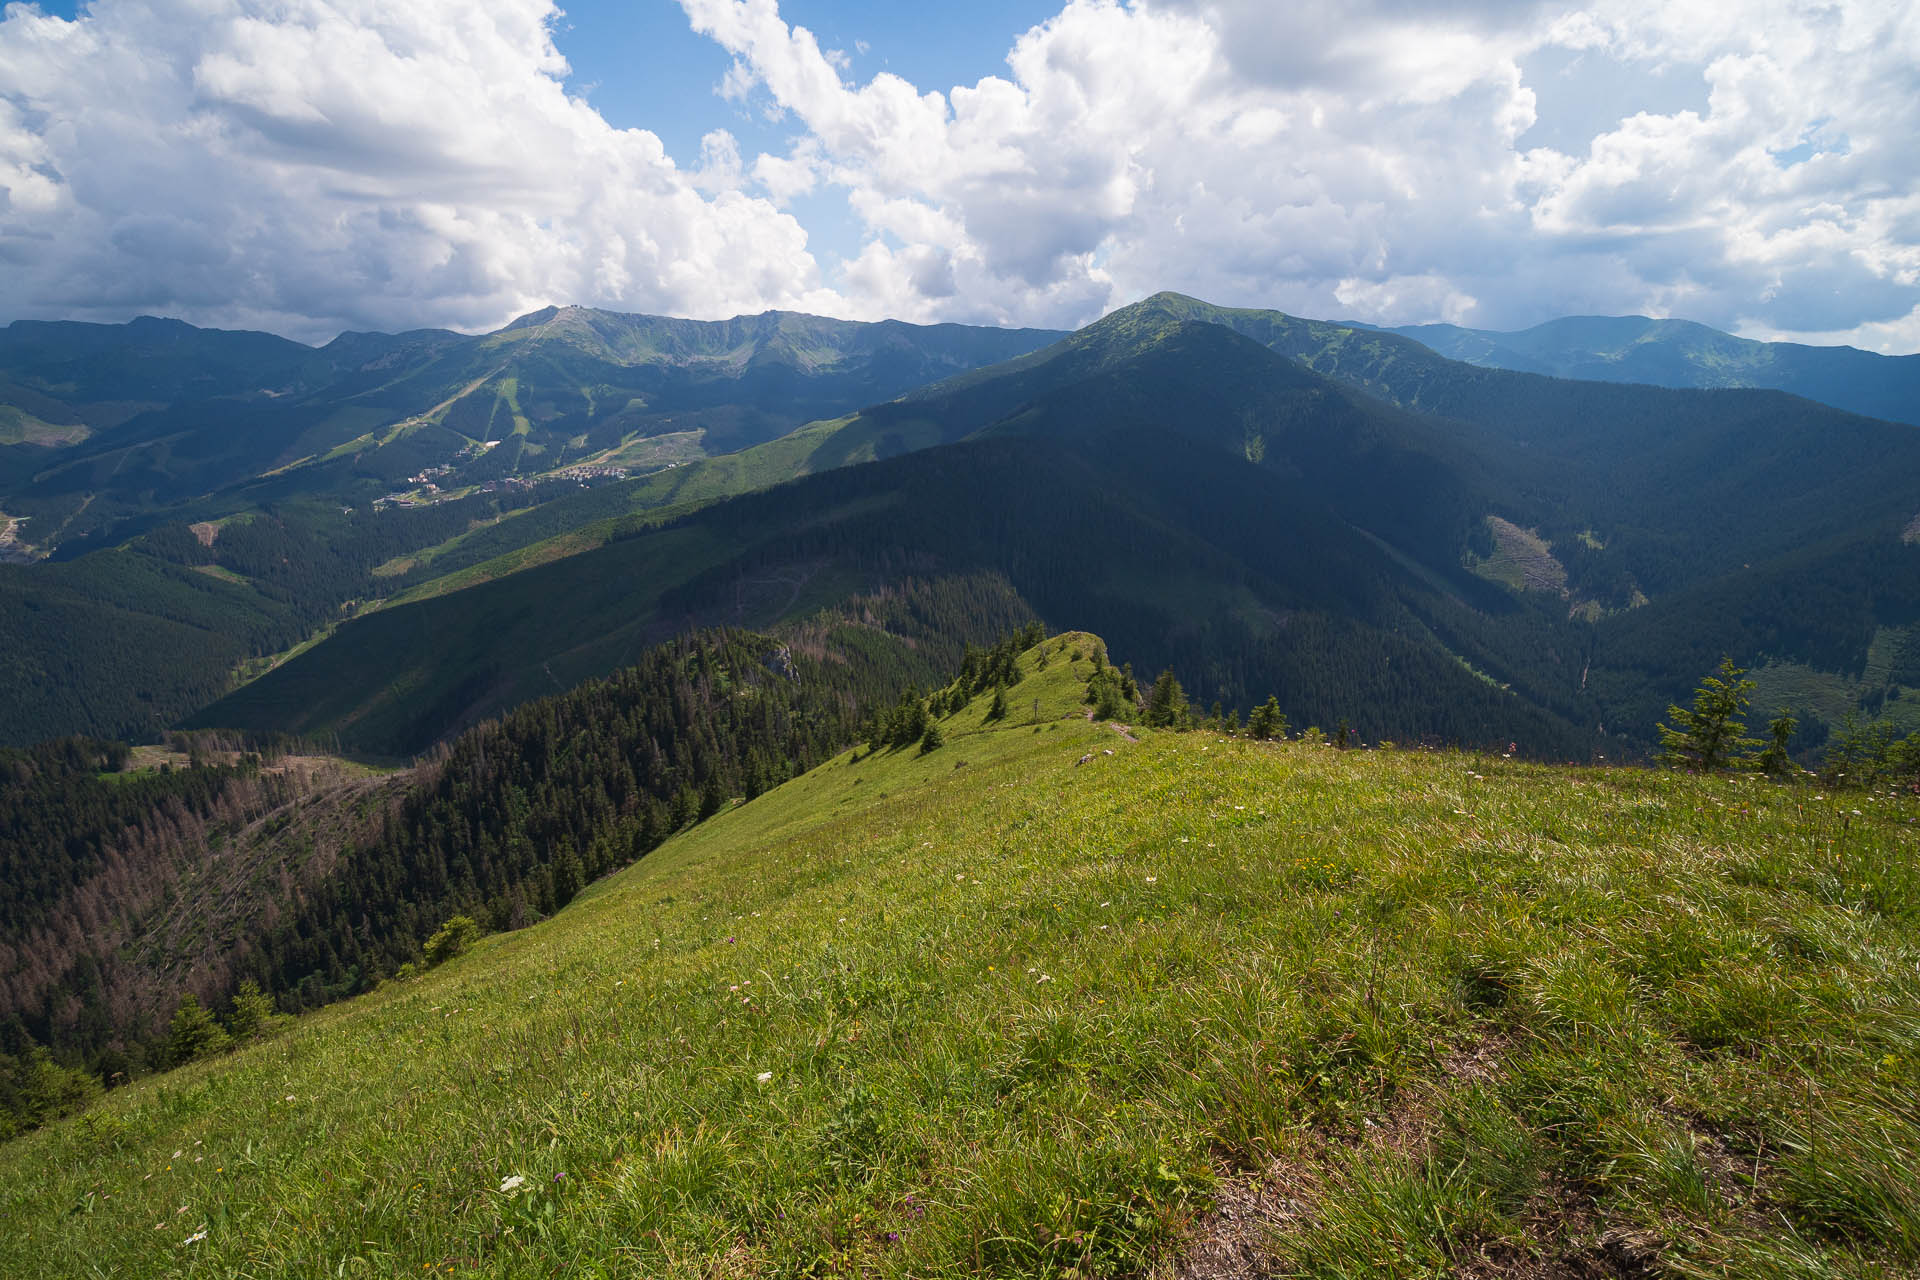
(1201, 1006)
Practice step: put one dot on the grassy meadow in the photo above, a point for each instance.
(1200, 1006)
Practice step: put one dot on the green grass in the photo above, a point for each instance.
(992, 1011)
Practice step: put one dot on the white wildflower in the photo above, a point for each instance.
(195, 1238)
(764, 1077)
(512, 1183)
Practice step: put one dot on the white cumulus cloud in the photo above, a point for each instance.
(1372, 159)
(308, 165)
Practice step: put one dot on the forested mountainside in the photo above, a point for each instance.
(123, 892)
(126, 642)
(1243, 576)
(298, 483)
(1287, 532)
(1680, 353)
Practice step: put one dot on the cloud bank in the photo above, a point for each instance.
(309, 165)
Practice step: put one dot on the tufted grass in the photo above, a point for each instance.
(1427, 1013)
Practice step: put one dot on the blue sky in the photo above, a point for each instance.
(325, 164)
(642, 66)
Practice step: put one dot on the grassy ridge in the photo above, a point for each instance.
(1402, 1013)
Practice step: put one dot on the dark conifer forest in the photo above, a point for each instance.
(123, 893)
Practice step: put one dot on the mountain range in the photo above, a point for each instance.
(1680, 353)
(108, 427)
(1333, 514)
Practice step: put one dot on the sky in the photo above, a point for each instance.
(313, 166)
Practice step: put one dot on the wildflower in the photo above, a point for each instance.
(512, 1183)
(764, 1077)
(1153, 879)
(195, 1238)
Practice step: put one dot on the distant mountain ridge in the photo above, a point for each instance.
(1267, 503)
(103, 427)
(1681, 353)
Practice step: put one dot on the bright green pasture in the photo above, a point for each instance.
(993, 1011)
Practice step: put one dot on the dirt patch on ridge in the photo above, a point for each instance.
(1565, 1237)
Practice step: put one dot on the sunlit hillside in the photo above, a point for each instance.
(1056, 998)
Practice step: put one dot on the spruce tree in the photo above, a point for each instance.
(713, 796)
(567, 876)
(932, 740)
(1267, 720)
(451, 939)
(998, 711)
(1711, 734)
(252, 1010)
(1103, 691)
(193, 1032)
(1167, 704)
(1774, 759)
